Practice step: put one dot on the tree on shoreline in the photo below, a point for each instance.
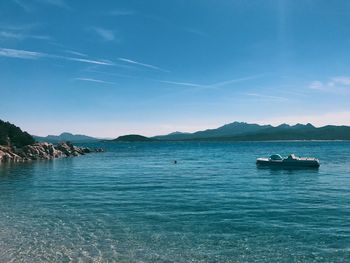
(11, 135)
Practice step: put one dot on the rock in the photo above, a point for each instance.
(86, 150)
(42, 151)
(7, 154)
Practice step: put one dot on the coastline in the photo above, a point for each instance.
(42, 151)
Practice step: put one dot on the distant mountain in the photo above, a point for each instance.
(66, 136)
(227, 130)
(11, 135)
(240, 131)
(132, 138)
(322, 133)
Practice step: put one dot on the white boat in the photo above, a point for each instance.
(277, 160)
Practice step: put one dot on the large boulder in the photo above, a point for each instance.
(8, 155)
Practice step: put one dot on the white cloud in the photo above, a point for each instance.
(265, 96)
(95, 80)
(121, 12)
(227, 82)
(72, 52)
(31, 7)
(23, 5)
(179, 83)
(23, 54)
(334, 84)
(342, 80)
(21, 32)
(97, 62)
(7, 34)
(216, 85)
(142, 64)
(318, 85)
(21, 36)
(196, 32)
(57, 3)
(105, 34)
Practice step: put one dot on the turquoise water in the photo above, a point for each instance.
(133, 204)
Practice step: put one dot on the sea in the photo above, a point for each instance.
(133, 203)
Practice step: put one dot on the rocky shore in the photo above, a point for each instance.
(42, 151)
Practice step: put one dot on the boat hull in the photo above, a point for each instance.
(313, 163)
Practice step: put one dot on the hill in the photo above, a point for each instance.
(66, 136)
(12, 135)
(132, 138)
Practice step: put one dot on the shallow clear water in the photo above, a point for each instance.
(133, 204)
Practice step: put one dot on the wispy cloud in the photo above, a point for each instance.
(98, 62)
(334, 84)
(31, 7)
(105, 34)
(180, 83)
(318, 85)
(217, 85)
(24, 5)
(7, 34)
(95, 80)
(57, 3)
(142, 64)
(21, 32)
(72, 52)
(342, 80)
(23, 54)
(112, 74)
(235, 80)
(257, 95)
(19, 27)
(196, 32)
(175, 26)
(21, 36)
(121, 12)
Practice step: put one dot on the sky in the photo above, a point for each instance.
(108, 68)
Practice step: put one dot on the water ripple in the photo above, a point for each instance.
(132, 204)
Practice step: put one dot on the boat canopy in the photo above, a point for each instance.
(276, 157)
(292, 157)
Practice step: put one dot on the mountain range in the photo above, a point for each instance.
(236, 131)
(227, 130)
(66, 136)
(241, 131)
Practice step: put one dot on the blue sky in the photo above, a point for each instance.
(106, 68)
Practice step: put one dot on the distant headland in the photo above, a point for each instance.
(18, 146)
(132, 138)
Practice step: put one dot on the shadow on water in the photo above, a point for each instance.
(287, 168)
(277, 170)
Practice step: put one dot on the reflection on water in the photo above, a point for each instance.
(289, 169)
(132, 204)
